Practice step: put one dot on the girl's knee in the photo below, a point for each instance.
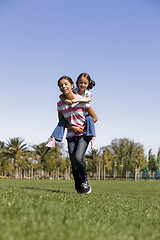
(78, 159)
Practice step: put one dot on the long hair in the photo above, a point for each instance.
(91, 83)
(69, 79)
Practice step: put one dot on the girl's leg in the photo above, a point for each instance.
(71, 149)
(57, 133)
(59, 130)
(90, 126)
(91, 130)
(81, 147)
(77, 147)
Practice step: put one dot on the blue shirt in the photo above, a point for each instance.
(85, 94)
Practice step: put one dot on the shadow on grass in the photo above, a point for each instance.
(41, 189)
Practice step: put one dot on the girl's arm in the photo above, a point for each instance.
(83, 99)
(64, 99)
(92, 113)
(60, 115)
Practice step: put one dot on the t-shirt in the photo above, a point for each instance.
(74, 115)
(85, 94)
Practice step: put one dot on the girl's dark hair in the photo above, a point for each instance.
(67, 78)
(91, 83)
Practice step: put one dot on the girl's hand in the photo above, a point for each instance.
(81, 99)
(74, 101)
(69, 102)
(77, 99)
(77, 129)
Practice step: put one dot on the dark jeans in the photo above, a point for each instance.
(77, 147)
(59, 130)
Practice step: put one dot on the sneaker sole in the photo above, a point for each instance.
(50, 146)
(90, 190)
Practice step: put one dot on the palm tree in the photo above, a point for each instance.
(4, 164)
(48, 158)
(42, 153)
(15, 152)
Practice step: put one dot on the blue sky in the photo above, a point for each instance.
(116, 41)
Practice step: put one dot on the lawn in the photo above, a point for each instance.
(51, 209)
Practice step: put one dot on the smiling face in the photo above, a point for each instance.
(65, 86)
(83, 84)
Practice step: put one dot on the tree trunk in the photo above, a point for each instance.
(127, 174)
(150, 175)
(54, 174)
(21, 173)
(135, 176)
(104, 172)
(32, 172)
(99, 173)
(66, 174)
(39, 173)
(114, 173)
(139, 170)
(69, 172)
(4, 173)
(16, 172)
(153, 174)
(58, 172)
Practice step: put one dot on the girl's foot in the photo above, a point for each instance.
(85, 188)
(51, 142)
(93, 143)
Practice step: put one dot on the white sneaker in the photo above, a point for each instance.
(51, 143)
(86, 188)
(93, 143)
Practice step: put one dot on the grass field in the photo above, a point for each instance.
(51, 209)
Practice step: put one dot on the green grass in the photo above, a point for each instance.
(51, 209)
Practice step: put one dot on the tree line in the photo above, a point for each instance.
(123, 158)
